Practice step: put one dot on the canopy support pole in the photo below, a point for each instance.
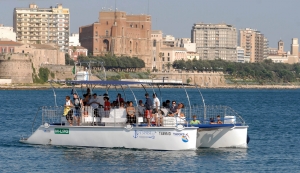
(53, 94)
(144, 88)
(188, 100)
(160, 94)
(124, 93)
(204, 107)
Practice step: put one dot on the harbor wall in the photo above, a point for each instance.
(16, 67)
(203, 79)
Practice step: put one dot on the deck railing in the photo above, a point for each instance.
(118, 117)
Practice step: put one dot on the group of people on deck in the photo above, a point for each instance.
(151, 110)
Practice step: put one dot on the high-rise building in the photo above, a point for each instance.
(119, 34)
(215, 41)
(36, 25)
(295, 47)
(254, 43)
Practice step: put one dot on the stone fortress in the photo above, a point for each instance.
(18, 62)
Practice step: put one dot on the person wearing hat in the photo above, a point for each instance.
(194, 121)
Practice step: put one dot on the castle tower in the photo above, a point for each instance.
(280, 46)
(295, 47)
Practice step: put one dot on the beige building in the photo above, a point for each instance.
(7, 33)
(75, 51)
(280, 56)
(119, 34)
(164, 51)
(215, 41)
(289, 59)
(36, 25)
(254, 43)
(192, 55)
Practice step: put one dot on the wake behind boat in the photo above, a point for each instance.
(184, 129)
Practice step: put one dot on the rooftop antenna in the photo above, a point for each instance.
(148, 8)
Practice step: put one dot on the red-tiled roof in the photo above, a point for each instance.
(9, 43)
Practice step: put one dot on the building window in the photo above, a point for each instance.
(142, 26)
(136, 26)
(154, 59)
(163, 58)
(106, 22)
(106, 33)
(168, 58)
(154, 43)
(168, 54)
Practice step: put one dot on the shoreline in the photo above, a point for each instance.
(45, 87)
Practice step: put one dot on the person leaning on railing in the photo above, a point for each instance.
(194, 121)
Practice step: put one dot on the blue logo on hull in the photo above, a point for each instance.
(144, 134)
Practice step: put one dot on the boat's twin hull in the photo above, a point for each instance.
(222, 137)
(139, 137)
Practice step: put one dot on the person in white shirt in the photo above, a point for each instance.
(155, 111)
(95, 103)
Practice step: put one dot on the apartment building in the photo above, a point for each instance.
(255, 44)
(215, 41)
(36, 25)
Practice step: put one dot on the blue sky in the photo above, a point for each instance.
(277, 19)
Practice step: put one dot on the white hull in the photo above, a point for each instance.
(223, 137)
(153, 138)
(137, 137)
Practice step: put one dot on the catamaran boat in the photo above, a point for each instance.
(111, 130)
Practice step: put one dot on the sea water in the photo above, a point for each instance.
(272, 116)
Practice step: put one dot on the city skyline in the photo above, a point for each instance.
(176, 17)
